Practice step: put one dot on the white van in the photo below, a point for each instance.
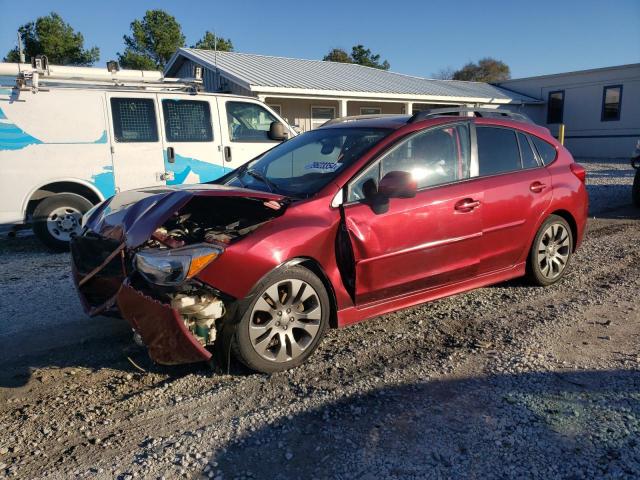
(67, 146)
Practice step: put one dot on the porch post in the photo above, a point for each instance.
(408, 108)
(342, 110)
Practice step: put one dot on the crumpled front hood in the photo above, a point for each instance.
(132, 216)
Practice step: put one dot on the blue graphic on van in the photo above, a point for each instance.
(13, 137)
(105, 182)
(183, 166)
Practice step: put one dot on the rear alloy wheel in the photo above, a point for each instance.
(551, 251)
(58, 218)
(285, 322)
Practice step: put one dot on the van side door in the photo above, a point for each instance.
(136, 147)
(245, 129)
(192, 147)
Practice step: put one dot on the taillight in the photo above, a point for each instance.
(579, 171)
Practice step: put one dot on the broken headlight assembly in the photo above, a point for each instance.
(169, 267)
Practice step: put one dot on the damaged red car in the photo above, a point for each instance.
(357, 218)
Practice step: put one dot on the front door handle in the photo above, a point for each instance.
(171, 155)
(467, 205)
(227, 154)
(537, 187)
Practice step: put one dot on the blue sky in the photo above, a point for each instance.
(416, 37)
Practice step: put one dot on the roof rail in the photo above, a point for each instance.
(352, 118)
(477, 112)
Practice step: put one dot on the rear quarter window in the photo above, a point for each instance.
(546, 151)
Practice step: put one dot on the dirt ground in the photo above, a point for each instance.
(509, 381)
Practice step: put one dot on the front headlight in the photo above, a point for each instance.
(172, 267)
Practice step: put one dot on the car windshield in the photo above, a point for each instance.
(300, 167)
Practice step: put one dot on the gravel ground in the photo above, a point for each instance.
(509, 381)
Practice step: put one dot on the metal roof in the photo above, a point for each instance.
(261, 73)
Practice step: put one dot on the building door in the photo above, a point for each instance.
(192, 139)
(136, 146)
(246, 133)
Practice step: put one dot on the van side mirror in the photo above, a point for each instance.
(398, 184)
(278, 132)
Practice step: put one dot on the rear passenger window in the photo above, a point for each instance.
(497, 150)
(187, 121)
(546, 151)
(134, 120)
(528, 157)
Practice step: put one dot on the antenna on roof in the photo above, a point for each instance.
(215, 59)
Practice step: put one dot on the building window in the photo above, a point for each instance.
(321, 115)
(370, 110)
(611, 103)
(555, 107)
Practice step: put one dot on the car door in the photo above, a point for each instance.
(246, 133)
(136, 147)
(191, 139)
(423, 242)
(517, 189)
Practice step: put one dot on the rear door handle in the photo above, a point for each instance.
(171, 155)
(467, 204)
(227, 154)
(537, 187)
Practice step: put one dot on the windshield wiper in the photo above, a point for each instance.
(263, 178)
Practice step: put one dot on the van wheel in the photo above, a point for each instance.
(551, 251)
(635, 191)
(284, 323)
(57, 219)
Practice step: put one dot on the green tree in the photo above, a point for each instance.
(487, 70)
(338, 55)
(363, 56)
(52, 36)
(211, 42)
(359, 55)
(152, 42)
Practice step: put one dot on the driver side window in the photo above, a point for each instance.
(432, 157)
(248, 122)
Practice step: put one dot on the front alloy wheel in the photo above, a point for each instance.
(551, 251)
(284, 323)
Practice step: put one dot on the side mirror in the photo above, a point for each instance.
(278, 132)
(398, 184)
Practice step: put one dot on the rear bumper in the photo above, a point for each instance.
(105, 289)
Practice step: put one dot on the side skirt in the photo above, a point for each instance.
(351, 315)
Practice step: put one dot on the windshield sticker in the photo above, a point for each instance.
(322, 166)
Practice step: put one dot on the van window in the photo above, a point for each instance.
(134, 120)
(497, 150)
(248, 122)
(187, 120)
(528, 157)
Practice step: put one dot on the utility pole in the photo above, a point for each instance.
(20, 50)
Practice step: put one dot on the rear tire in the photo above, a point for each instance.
(550, 252)
(57, 219)
(635, 190)
(284, 323)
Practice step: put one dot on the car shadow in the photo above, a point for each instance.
(577, 424)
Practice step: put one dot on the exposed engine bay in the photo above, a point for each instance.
(223, 220)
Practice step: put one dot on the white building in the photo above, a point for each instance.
(600, 108)
(307, 93)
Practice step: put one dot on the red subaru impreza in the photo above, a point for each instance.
(346, 222)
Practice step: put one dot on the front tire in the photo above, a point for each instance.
(284, 323)
(57, 219)
(551, 251)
